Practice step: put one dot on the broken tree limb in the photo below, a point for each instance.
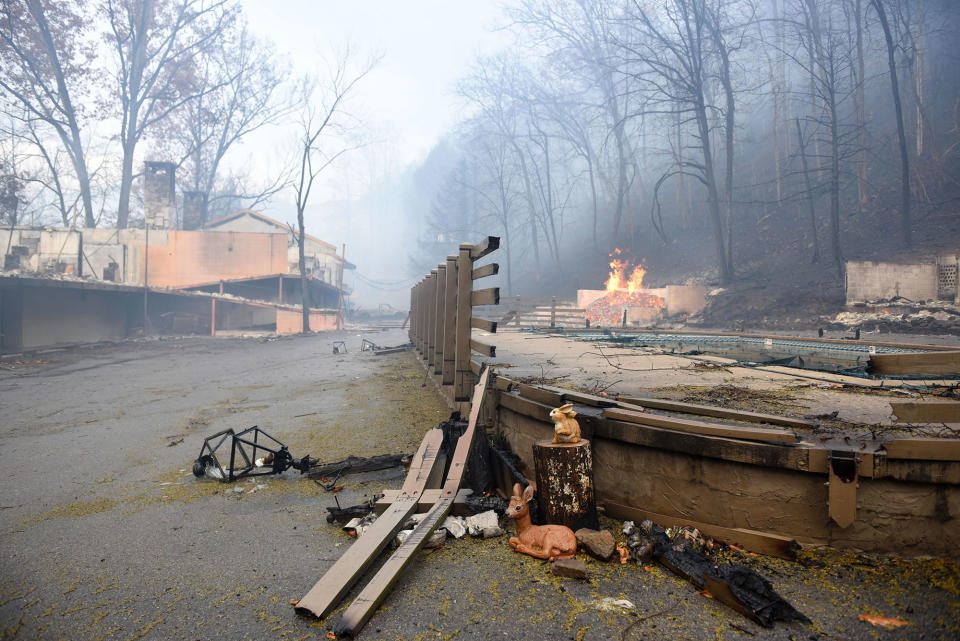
(331, 587)
(370, 598)
(356, 464)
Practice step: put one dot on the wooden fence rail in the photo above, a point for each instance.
(442, 320)
(534, 312)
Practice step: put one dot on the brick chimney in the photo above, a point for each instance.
(194, 209)
(159, 201)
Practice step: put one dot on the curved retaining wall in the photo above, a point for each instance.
(905, 503)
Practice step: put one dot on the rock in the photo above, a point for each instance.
(437, 538)
(478, 522)
(402, 536)
(609, 604)
(599, 544)
(455, 526)
(492, 532)
(569, 569)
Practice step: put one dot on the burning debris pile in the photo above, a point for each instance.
(622, 294)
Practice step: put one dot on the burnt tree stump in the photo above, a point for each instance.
(566, 494)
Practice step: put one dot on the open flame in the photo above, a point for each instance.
(618, 281)
(623, 292)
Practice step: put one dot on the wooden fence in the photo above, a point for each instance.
(442, 320)
(518, 311)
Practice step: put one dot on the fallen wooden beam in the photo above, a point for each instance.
(427, 500)
(370, 598)
(335, 582)
(783, 547)
(929, 363)
(719, 412)
(926, 411)
(700, 427)
(930, 449)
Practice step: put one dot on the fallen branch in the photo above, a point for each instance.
(355, 465)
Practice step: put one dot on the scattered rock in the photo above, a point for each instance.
(569, 569)
(437, 538)
(492, 532)
(477, 523)
(455, 526)
(609, 604)
(402, 536)
(599, 544)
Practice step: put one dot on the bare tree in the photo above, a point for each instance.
(905, 226)
(325, 136)
(675, 53)
(46, 62)
(581, 37)
(248, 91)
(155, 45)
(829, 53)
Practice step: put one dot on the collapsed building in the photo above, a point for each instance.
(239, 272)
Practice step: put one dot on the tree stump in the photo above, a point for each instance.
(566, 494)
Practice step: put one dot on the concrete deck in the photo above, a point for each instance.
(105, 534)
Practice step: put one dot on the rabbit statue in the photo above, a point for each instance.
(541, 541)
(565, 427)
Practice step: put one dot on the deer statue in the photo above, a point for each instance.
(541, 541)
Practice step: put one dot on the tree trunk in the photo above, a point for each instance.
(835, 180)
(129, 134)
(566, 494)
(809, 188)
(304, 285)
(728, 131)
(126, 183)
(72, 142)
(713, 198)
(861, 109)
(905, 223)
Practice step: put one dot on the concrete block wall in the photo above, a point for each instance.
(869, 280)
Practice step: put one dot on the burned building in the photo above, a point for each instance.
(63, 285)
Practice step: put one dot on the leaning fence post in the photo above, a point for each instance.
(438, 324)
(412, 313)
(553, 312)
(449, 322)
(463, 378)
(420, 293)
(431, 318)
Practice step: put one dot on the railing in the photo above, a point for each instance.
(442, 320)
(534, 312)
